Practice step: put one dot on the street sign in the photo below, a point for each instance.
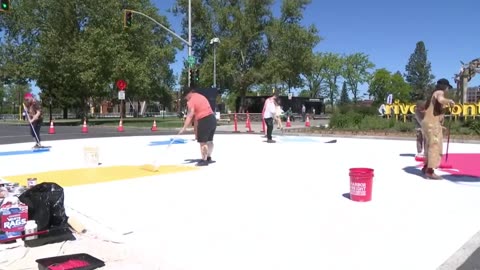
(121, 95)
(121, 84)
(191, 60)
(290, 96)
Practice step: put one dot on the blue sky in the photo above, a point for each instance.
(387, 31)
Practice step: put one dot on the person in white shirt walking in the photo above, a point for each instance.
(269, 113)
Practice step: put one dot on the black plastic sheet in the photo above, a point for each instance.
(45, 205)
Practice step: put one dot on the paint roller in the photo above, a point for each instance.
(76, 225)
(155, 166)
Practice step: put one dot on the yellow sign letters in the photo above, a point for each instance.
(467, 109)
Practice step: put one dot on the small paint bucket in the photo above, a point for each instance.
(91, 156)
(31, 182)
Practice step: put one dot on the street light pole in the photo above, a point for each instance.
(214, 42)
(189, 42)
(214, 66)
(189, 38)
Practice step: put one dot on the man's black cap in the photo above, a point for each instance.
(444, 82)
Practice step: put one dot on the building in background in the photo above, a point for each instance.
(473, 94)
(254, 104)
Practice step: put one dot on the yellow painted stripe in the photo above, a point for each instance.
(85, 176)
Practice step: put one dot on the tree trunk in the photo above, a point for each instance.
(331, 100)
(241, 107)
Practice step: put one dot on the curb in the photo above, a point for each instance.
(462, 255)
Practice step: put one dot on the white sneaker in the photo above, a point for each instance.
(420, 155)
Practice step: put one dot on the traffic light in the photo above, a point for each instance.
(4, 5)
(197, 75)
(191, 73)
(127, 18)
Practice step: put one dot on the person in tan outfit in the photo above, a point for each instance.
(432, 128)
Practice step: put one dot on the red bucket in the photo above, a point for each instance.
(361, 182)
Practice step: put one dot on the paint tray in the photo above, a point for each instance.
(93, 263)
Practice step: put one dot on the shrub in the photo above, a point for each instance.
(347, 120)
(473, 125)
(354, 118)
(339, 120)
(375, 123)
(363, 110)
(404, 126)
(455, 126)
(366, 110)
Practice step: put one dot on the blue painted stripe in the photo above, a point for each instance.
(24, 152)
(176, 141)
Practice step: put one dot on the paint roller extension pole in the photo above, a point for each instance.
(155, 166)
(448, 136)
(74, 223)
(30, 122)
(31, 234)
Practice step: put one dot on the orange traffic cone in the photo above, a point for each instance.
(120, 126)
(154, 127)
(235, 124)
(51, 130)
(249, 124)
(307, 122)
(84, 127)
(289, 124)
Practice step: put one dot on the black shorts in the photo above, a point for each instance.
(206, 128)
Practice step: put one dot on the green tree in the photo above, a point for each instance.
(3, 103)
(266, 89)
(418, 72)
(380, 85)
(290, 45)
(333, 71)
(79, 49)
(315, 74)
(240, 25)
(305, 93)
(13, 94)
(384, 83)
(344, 99)
(357, 68)
(400, 89)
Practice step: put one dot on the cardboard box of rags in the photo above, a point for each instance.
(13, 217)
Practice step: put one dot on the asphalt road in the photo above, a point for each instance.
(21, 134)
